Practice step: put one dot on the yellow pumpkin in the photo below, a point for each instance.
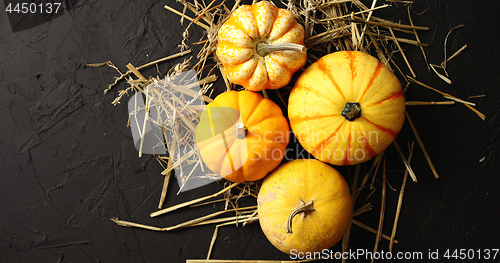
(261, 46)
(304, 206)
(346, 108)
(242, 136)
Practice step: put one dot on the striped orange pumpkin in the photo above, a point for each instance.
(346, 108)
(261, 46)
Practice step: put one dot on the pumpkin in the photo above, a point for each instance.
(346, 108)
(304, 206)
(261, 46)
(242, 136)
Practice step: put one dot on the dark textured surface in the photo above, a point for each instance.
(68, 163)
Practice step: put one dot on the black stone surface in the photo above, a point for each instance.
(68, 163)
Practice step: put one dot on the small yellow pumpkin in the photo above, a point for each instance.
(261, 46)
(346, 108)
(242, 136)
(304, 206)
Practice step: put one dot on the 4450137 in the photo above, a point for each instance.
(33, 8)
(488, 254)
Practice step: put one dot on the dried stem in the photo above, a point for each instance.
(408, 167)
(402, 53)
(400, 202)
(456, 53)
(459, 100)
(303, 208)
(446, 43)
(422, 147)
(481, 115)
(417, 37)
(264, 48)
(152, 63)
(189, 223)
(212, 242)
(175, 207)
(214, 236)
(443, 77)
(165, 183)
(384, 236)
(382, 211)
(187, 17)
(218, 201)
(354, 195)
(374, 2)
(387, 24)
(424, 103)
(124, 75)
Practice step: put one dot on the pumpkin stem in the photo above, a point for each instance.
(303, 208)
(351, 111)
(240, 131)
(264, 48)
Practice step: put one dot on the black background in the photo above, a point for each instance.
(68, 163)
